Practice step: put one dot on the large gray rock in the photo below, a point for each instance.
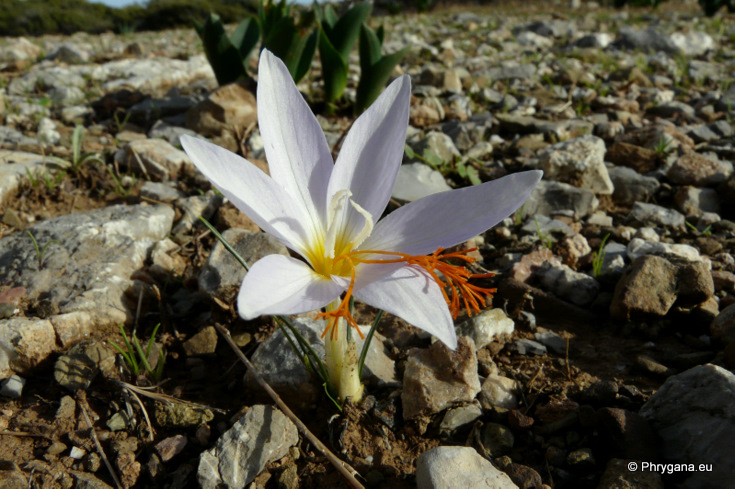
(436, 378)
(576, 287)
(651, 285)
(631, 186)
(549, 197)
(580, 162)
(644, 40)
(692, 43)
(647, 288)
(693, 414)
(80, 280)
(263, 435)
(698, 170)
(646, 214)
(155, 158)
(222, 275)
(486, 327)
(454, 467)
(279, 365)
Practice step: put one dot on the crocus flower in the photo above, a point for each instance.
(329, 213)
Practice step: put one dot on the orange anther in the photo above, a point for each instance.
(456, 279)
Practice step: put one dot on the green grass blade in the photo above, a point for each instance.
(366, 344)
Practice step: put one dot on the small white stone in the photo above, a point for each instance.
(77, 453)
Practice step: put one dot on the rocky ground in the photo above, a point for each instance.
(611, 339)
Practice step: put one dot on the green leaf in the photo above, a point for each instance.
(369, 48)
(344, 33)
(473, 176)
(432, 158)
(221, 53)
(462, 169)
(307, 55)
(374, 79)
(334, 70)
(409, 152)
(245, 38)
(329, 18)
(380, 32)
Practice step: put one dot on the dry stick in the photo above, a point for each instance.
(82, 401)
(151, 432)
(342, 467)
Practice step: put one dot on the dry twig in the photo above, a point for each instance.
(342, 467)
(82, 401)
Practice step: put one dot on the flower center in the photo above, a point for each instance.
(453, 279)
(339, 240)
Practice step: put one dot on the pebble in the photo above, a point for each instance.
(630, 186)
(497, 439)
(579, 161)
(698, 170)
(524, 346)
(552, 341)
(652, 214)
(498, 392)
(449, 467)
(648, 287)
(169, 447)
(202, 343)
(161, 192)
(12, 387)
(578, 288)
(457, 418)
(486, 327)
(550, 197)
(261, 436)
(194, 207)
(436, 378)
(156, 158)
(417, 180)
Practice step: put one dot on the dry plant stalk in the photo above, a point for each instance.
(342, 467)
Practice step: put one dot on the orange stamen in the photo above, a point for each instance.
(456, 279)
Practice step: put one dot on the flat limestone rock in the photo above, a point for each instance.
(454, 467)
(436, 378)
(264, 434)
(79, 281)
(693, 414)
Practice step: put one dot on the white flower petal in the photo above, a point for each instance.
(412, 295)
(250, 190)
(449, 218)
(295, 146)
(278, 284)
(372, 152)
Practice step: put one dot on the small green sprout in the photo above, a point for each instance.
(598, 257)
(543, 237)
(706, 231)
(518, 215)
(663, 147)
(40, 251)
(465, 169)
(136, 350)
